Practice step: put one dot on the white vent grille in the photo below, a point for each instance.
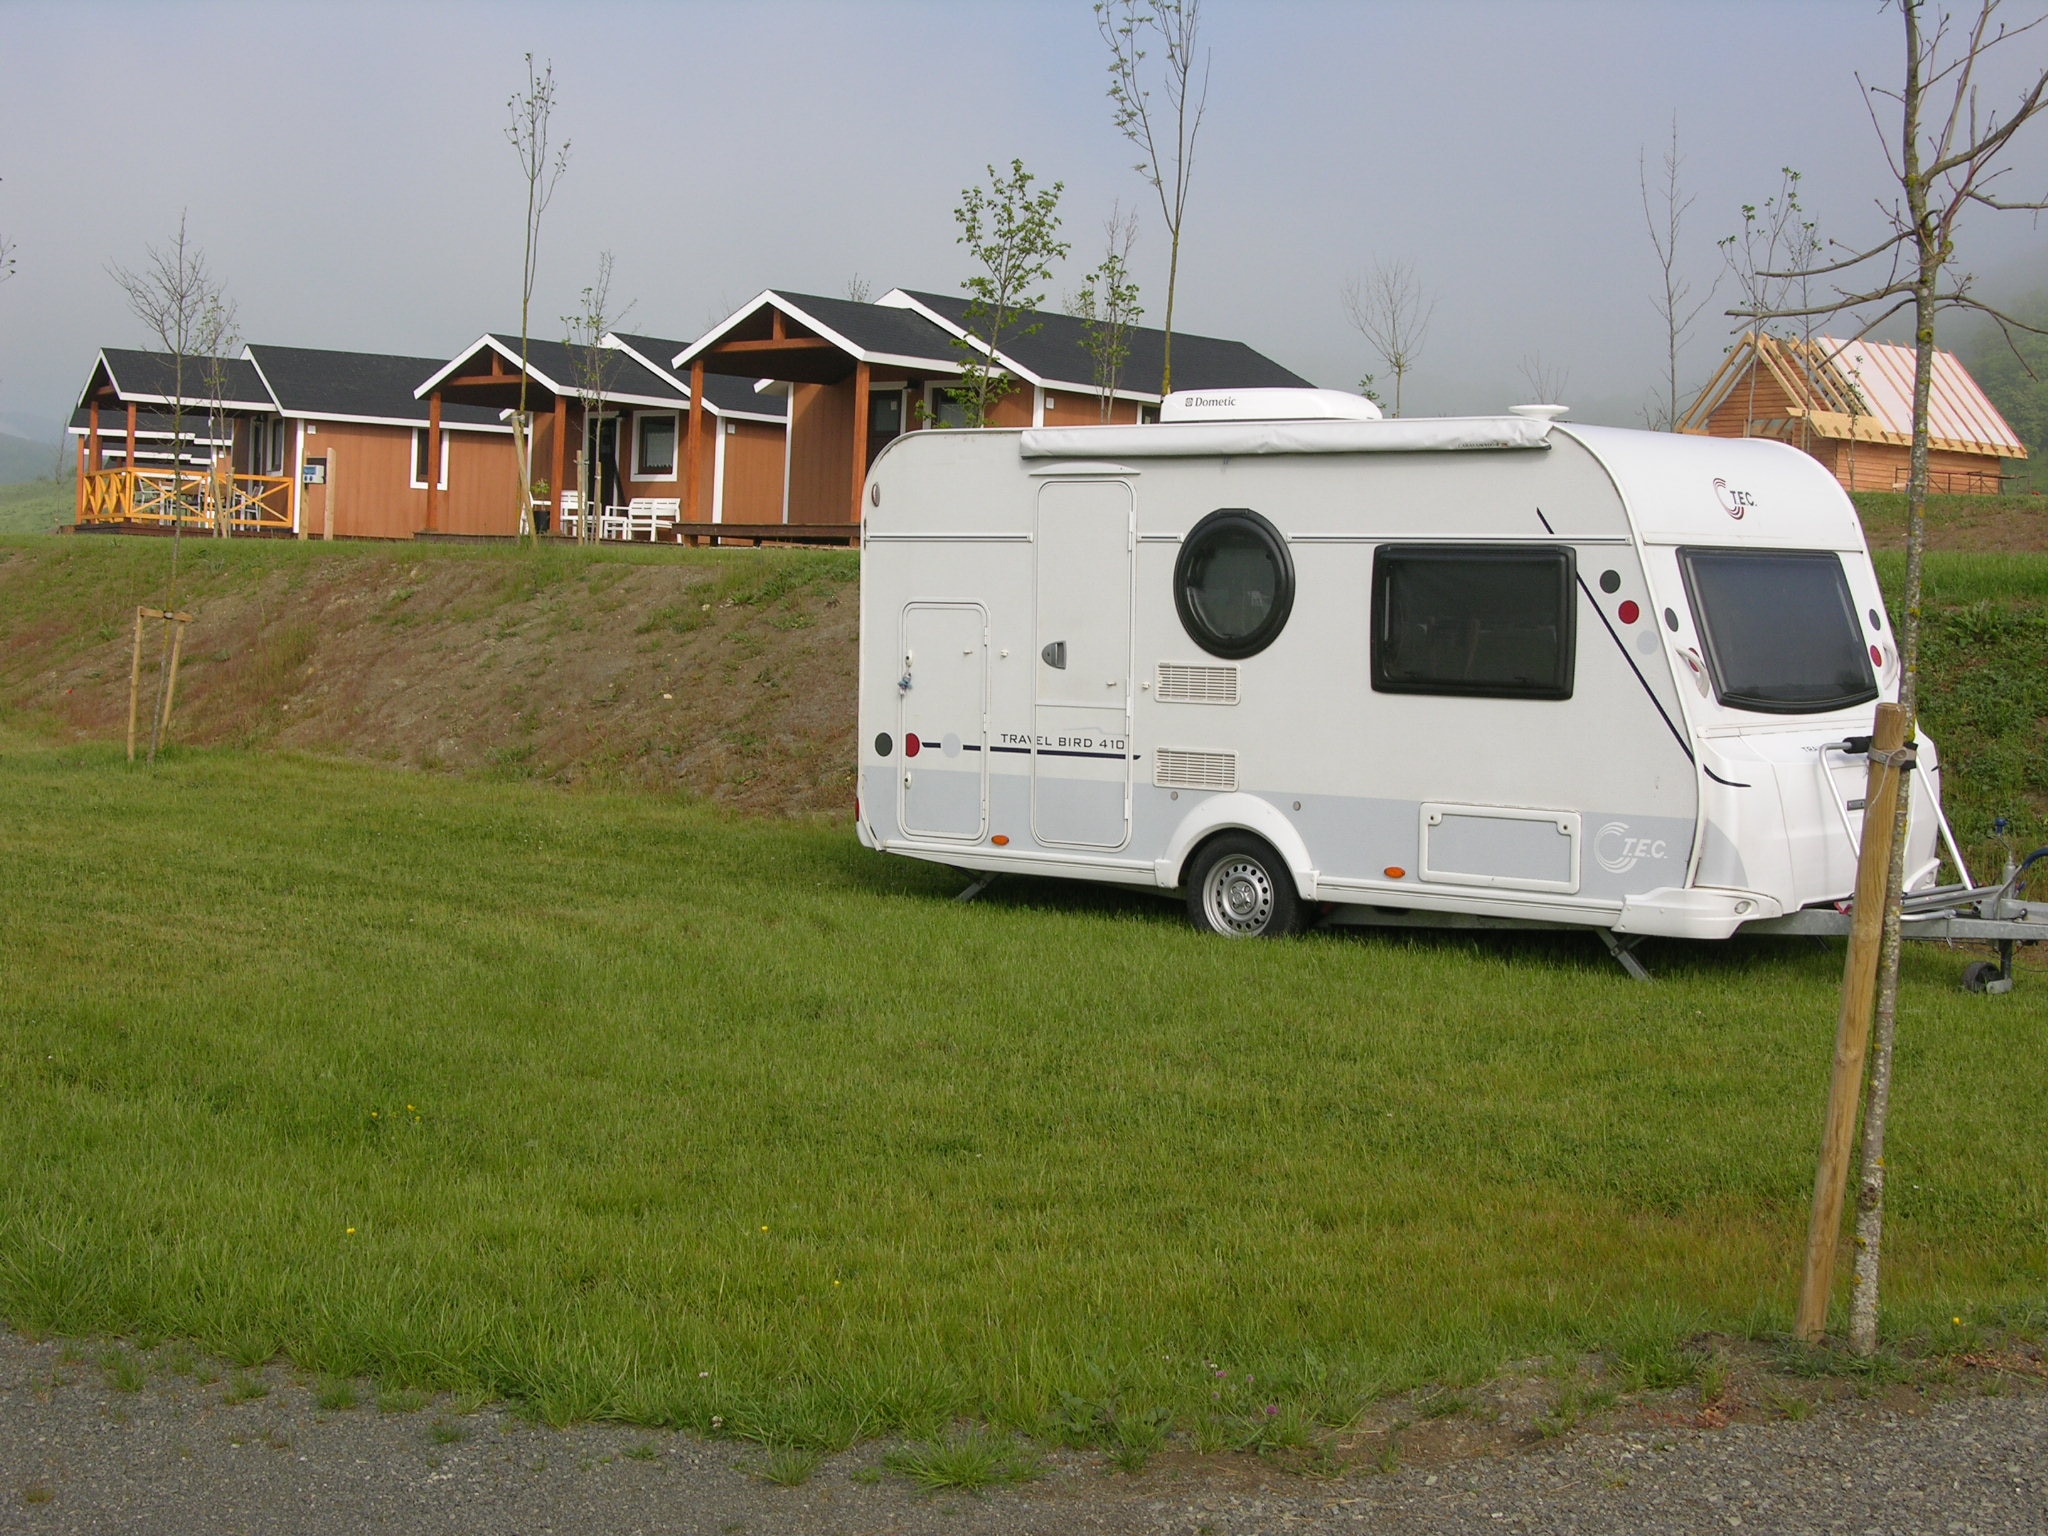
(1183, 682)
(1173, 768)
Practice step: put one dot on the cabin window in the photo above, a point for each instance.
(1779, 629)
(419, 460)
(654, 448)
(1486, 621)
(1233, 583)
(945, 409)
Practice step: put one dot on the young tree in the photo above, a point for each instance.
(542, 166)
(1546, 382)
(1947, 156)
(1108, 306)
(1165, 140)
(1768, 260)
(1013, 235)
(178, 301)
(858, 289)
(1673, 301)
(217, 338)
(6, 258)
(1390, 308)
(597, 369)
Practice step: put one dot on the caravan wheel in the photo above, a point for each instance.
(1240, 888)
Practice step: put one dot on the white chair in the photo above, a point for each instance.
(656, 515)
(614, 523)
(572, 514)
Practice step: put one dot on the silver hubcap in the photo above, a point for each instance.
(1238, 896)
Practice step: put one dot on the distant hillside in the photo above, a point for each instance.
(22, 459)
(2022, 398)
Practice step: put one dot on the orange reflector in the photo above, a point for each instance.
(1396, 872)
(1000, 841)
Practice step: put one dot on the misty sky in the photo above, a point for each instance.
(345, 169)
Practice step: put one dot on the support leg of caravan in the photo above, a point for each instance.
(977, 888)
(1623, 951)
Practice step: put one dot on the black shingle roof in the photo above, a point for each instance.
(136, 372)
(312, 381)
(726, 391)
(1057, 351)
(557, 361)
(879, 328)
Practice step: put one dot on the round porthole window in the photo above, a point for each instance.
(1233, 583)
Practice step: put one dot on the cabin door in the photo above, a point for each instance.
(1081, 743)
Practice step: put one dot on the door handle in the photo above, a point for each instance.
(1055, 654)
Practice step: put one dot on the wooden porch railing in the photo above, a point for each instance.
(195, 499)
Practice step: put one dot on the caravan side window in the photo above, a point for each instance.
(1233, 583)
(1493, 621)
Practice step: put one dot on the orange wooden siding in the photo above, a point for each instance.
(820, 453)
(753, 473)
(374, 498)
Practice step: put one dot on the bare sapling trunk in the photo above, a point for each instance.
(1391, 310)
(180, 304)
(1673, 300)
(1943, 162)
(597, 369)
(527, 133)
(1164, 140)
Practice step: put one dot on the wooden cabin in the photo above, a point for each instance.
(623, 427)
(857, 375)
(1850, 405)
(354, 440)
(302, 440)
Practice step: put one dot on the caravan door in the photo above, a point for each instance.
(942, 718)
(1081, 743)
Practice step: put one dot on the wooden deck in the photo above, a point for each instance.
(158, 498)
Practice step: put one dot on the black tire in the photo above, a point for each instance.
(1979, 974)
(1239, 888)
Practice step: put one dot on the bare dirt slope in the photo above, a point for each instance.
(726, 674)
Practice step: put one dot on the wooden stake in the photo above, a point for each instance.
(135, 683)
(171, 685)
(1852, 1029)
(327, 529)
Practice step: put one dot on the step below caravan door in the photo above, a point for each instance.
(942, 720)
(1081, 746)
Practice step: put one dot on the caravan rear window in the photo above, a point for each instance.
(1491, 621)
(1780, 629)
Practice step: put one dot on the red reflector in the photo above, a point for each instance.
(1876, 657)
(911, 746)
(1628, 613)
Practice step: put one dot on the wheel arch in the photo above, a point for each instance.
(1236, 812)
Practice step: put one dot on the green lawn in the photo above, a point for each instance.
(620, 1107)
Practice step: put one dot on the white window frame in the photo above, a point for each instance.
(675, 448)
(412, 461)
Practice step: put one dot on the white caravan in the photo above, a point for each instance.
(1448, 670)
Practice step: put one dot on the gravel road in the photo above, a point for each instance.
(90, 1445)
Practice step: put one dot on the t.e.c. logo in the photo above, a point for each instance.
(1735, 503)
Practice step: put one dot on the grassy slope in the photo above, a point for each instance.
(614, 1091)
(1984, 696)
(36, 506)
(727, 674)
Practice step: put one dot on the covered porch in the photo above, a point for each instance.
(856, 376)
